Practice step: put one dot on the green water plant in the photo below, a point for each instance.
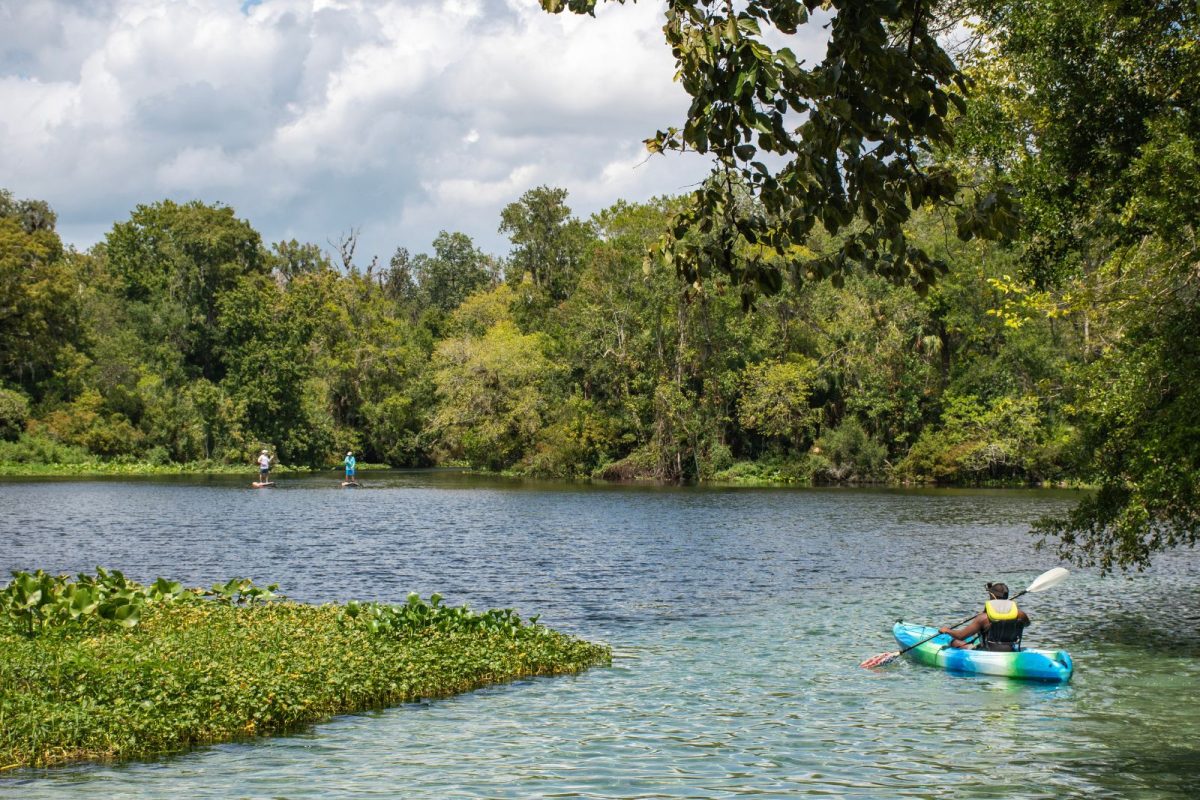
(34, 601)
(186, 667)
(417, 615)
(242, 591)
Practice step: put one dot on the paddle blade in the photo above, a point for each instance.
(879, 660)
(1047, 579)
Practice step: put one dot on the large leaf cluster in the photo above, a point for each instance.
(416, 616)
(844, 144)
(33, 602)
(1108, 97)
(1143, 435)
(1092, 89)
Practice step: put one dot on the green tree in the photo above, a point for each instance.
(14, 413)
(877, 364)
(31, 215)
(39, 316)
(399, 280)
(265, 345)
(548, 243)
(292, 259)
(841, 144)
(665, 363)
(851, 454)
(976, 441)
(455, 270)
(175, 261)
(87, 423)
(609, 334)
(1107, 96)
(776, 401)
(373, 363)
(171, 420)
(1143, 440)
(492, 400)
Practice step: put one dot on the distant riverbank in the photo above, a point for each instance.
(101, 468)
(747, 474)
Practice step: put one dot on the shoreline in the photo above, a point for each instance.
(102, 469)
(123, 470)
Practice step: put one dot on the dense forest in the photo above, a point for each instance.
(1013, 301)
(182, 338)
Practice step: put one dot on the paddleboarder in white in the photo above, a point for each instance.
(264, 467)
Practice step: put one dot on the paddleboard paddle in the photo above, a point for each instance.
(1041, 583)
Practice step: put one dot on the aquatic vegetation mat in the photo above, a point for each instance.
(102, 668)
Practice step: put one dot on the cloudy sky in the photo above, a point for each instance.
(310, 117)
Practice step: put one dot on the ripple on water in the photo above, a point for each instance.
(737, 618)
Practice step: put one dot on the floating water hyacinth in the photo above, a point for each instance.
(170, 667)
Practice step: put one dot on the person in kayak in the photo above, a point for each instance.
(998, 627)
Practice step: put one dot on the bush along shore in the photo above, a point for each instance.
(102, 668)
(35, 457)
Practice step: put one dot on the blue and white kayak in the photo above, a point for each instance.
(1029, 665)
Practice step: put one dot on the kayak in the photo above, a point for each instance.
(1029, 665)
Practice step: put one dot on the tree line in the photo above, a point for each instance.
(181, 337)
(968, 270)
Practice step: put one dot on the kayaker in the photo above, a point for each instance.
(998, 626)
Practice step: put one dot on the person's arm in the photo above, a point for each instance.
(967, 631)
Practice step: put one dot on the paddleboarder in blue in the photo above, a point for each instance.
(350, 463)
(998, 627)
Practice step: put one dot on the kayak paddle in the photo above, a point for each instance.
(1044, 581)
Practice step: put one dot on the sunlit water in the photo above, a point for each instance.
(737, 619)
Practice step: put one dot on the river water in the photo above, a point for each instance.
(737, 619)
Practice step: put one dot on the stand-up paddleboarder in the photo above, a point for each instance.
(264, 468)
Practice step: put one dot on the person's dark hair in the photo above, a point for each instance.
(998, 591)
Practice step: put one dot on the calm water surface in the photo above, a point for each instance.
(737, 619)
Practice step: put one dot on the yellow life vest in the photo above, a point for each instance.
(1000, 610)
(1004, 628)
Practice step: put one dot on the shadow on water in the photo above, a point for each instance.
(1160, 619)
(1155, 770)
(1155, 636)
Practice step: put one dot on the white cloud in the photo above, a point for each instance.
(470, 192)
(199, 168)
(313, 116)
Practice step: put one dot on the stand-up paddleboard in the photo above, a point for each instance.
(266, 485)
(352, 484)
